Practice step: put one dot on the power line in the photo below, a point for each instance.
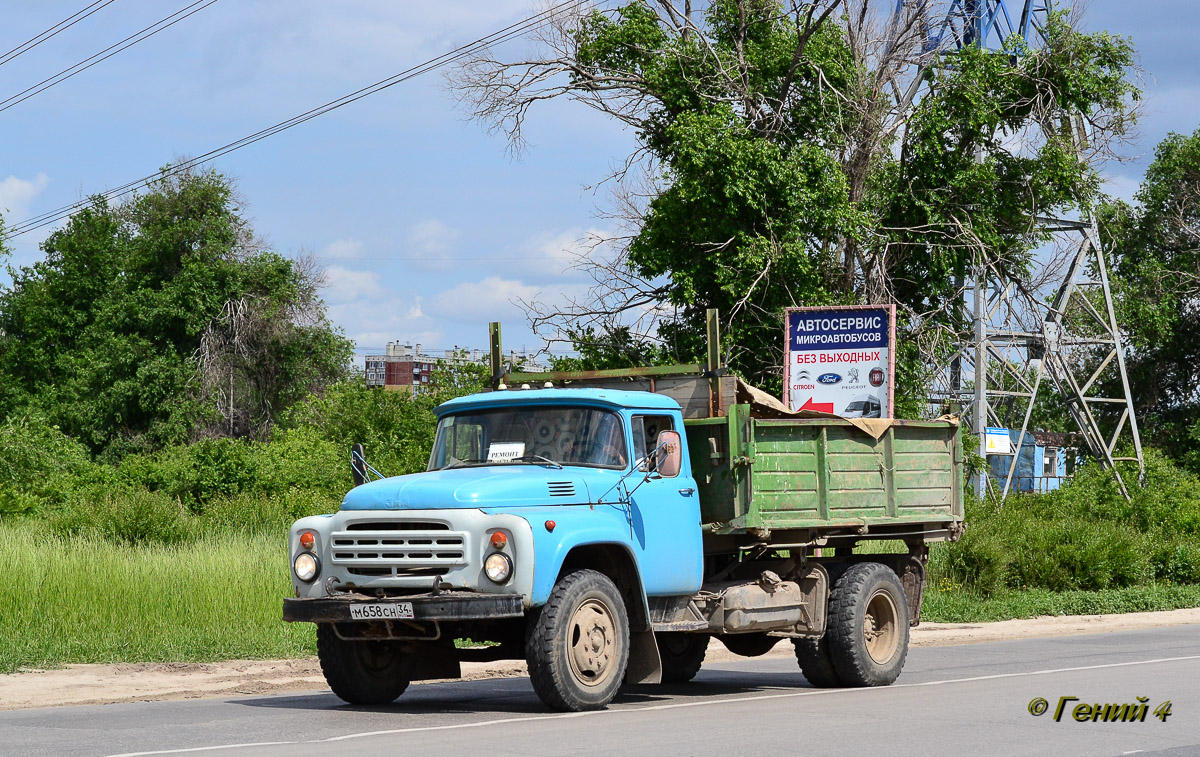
(63, 25)
(503, 35)
(121, 46)
(542, 258)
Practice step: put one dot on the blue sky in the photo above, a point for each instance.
(427, 227)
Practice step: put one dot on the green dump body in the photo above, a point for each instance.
(765, 475)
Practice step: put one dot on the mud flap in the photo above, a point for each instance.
(433, 663)
(645, 666)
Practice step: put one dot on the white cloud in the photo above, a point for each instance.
(553, 256)
(343, 248)
(343, 285)
(430, 241)
(16, 195)
(478, 302)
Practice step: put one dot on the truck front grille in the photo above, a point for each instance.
(393, 551)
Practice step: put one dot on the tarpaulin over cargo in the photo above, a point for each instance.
(763, 405)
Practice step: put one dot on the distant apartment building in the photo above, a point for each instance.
(408, 368)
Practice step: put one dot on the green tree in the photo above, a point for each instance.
(145, 317)
(786, 161)
(1156, 248)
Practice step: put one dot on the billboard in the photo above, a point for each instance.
(841, 360)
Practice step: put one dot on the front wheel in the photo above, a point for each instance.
(363, 672)
(577, 644)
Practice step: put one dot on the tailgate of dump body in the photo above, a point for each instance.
(818, 473)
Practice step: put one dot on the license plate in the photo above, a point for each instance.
(381, 611)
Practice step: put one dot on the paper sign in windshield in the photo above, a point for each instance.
(505, 452)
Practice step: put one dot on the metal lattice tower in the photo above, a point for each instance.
(1021, 338)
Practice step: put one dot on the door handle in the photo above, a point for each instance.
(687, 492)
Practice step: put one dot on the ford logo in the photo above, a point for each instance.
(829, 378)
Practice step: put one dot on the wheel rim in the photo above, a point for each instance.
(591, 637)
(376, 657)
(881, 629)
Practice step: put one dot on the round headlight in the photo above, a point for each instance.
(497, 567)
(307, 566)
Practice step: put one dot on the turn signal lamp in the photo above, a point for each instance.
(499, 540)
(550, 525)
(308, 539)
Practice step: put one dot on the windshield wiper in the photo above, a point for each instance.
(543, 458)
(455, 462)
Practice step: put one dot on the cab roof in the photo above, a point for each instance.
(612, 397)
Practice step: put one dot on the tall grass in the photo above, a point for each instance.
(76, 599)
(956, 604)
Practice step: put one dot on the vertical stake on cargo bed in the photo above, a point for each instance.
(714, 363)
(496, 362)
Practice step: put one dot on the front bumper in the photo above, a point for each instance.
(452, 605)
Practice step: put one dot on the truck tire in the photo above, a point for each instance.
(816, 663)
(682, 654)
(577, 644)
(363, 672)
(868, 625)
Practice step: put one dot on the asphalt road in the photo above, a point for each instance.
(960, 700)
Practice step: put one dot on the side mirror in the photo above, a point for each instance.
(358, 471)
(669, 453)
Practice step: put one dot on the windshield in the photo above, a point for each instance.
(530, 435)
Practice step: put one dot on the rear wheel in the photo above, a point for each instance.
(363, 672)
(577, 644)
(816, 663)
(868, 626)
(682, 654)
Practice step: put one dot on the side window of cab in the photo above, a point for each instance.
(645, 433)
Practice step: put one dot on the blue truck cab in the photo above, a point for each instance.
(522, 489)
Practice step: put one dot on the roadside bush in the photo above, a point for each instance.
(1176, 561)
(1084, 536)
(1168, 502)
(300, 458)
(979, 560)
(1077, 554)
(395, 428)
(195, 473)
(199, 474)
(40, 465)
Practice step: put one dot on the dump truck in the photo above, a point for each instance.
(606, 526)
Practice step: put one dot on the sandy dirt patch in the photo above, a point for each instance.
(148, 682)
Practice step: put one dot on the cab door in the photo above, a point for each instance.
(664, 512)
